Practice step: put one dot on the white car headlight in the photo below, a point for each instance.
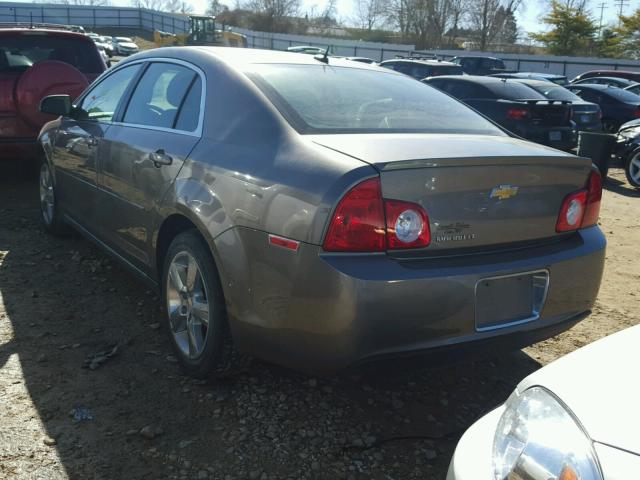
(537, 438)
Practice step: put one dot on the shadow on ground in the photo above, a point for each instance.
(63, 300)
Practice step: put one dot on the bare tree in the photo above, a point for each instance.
(93, 3)
(369, 14)
(273, 15)
(178, 6)
(215, 8)
(148, 4)
(487, 17)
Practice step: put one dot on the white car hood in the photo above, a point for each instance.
(600, 383)
(127, 45)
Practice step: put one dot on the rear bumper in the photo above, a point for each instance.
(562, 138)
(321, 313)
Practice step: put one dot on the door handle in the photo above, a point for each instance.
(160, 158)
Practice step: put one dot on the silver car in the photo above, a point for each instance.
(319, 215)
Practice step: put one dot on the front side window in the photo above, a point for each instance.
(159, 94)
(101, 102)
(326, 99)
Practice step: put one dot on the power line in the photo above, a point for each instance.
(602, 6)
(621, 4)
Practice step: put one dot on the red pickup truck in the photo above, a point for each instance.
(36, 62)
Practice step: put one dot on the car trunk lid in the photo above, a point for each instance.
(550, 113)
(478, 191)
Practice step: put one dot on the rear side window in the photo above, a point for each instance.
(20, 51)
(101, 101)
(190, 111)
(464, 90)
(159, 95)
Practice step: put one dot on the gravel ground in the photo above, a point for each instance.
(65, 305)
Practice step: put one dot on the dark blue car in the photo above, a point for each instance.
(618, 106)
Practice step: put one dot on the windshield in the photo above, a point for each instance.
(514, 90)
(21, 51)
(326, 99)
(556, 93)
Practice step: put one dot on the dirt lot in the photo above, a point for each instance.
(61, 300)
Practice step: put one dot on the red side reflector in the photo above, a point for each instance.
(284, 242)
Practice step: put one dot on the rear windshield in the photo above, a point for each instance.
(556, 93)
(326, 99)
(622, 95)
(21, 51)
(514, 91)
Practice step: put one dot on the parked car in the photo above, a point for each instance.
(103, 54)
(635, 88)
(361, 59)
(618, 106)
(611, 81)
(547, 77)
(106, 43)
(576, 418)
(478, 65)
(124, 46)
(36, 62)
(320, 217)
(628, 151)
(514, 106)
(307, 50)
(420, 69)
(586, 115)
(635, 76)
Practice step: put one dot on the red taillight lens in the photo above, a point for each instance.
(636, 112)
(518, 113)
(594, 197)
(582, 208)
(407, 225)
(572, 212)
(358, 222)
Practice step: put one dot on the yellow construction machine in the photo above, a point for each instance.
(202, 31)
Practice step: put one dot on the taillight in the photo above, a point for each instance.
(518, 113)
(572, 211)
(636, 112)
(594, 197)
(581, 209)
(359, 223)
(407, 225)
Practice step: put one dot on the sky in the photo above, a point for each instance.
(529, 15)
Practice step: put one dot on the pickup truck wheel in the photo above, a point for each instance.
(632, 168)
(195, 313)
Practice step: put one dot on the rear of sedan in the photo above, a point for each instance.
(450, 236)
(514, 106)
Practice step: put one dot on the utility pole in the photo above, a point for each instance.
(621, 4)
(602, 6)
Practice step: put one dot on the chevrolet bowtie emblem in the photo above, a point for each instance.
(504, 191)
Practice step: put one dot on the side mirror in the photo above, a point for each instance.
(56, 105)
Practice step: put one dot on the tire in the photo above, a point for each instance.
(194, 310)
(632, 168)
(49, 211)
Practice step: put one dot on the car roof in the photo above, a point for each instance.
(592, 86)
(242, 57)
(39, 31)
(477, 56)
(421, 61)
(536, 83)
(485, 80)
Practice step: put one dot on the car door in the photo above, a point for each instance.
(145, 149)
(78, 145)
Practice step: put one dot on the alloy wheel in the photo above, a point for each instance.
(187, 304)
(47, 198)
